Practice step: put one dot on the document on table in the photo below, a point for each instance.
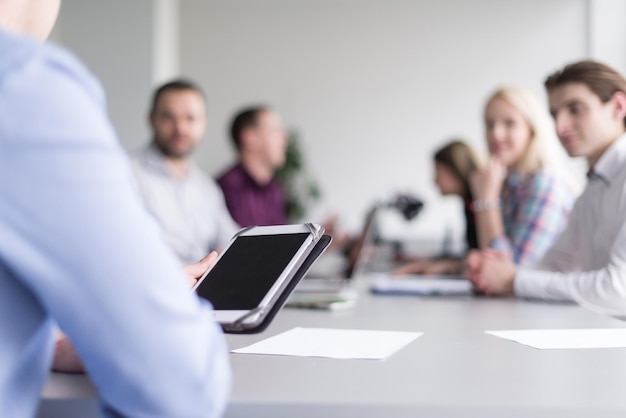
(566, 338)
(333, 343)
(386, 284)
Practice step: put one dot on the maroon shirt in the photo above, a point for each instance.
(250, 203)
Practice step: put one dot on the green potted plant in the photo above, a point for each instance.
(301, 189)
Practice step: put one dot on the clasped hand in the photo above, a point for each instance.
(490, 271)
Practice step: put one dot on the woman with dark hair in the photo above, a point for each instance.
(454, 164)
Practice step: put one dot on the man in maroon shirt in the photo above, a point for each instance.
(253, 195)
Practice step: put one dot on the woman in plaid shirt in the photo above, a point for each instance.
(521, 200)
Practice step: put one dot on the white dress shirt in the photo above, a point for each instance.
(587, 264)
(192, 211)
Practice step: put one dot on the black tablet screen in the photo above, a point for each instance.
(248, 269)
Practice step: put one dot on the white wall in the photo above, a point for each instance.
(130, 46)
(607, 32)
(166, 41)
(373, 86)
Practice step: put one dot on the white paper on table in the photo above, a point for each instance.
(333, 343)
(419, 284)
(566, 338)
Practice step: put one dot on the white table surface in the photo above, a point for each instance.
(453, 370)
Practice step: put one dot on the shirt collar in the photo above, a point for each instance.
(610, 163)
(592, 175)
(251, 179)
(155, 158)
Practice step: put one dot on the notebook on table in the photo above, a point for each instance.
(420, 284)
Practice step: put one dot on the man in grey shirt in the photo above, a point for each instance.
(186, 202)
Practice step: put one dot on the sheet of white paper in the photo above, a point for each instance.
(566, 338)
(386, 284)
(333, 343)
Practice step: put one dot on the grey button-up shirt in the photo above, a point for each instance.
(191, 211)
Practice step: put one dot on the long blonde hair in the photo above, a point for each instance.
(543, 148)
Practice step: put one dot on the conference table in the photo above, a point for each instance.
(454, 369)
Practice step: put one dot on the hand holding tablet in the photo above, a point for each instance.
(256, 272)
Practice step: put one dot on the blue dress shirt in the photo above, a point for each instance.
(78, 249)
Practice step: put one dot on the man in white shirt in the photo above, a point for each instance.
(587, 264)
(187, 203)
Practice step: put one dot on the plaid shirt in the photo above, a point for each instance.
(535, 209)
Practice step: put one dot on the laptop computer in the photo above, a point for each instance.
(346, 268)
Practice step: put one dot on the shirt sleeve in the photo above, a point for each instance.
(602, 290)
(82, 242)
(563, 255)
(541, 213)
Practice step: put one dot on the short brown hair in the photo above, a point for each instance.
(601, 79)
(174, 85)
(246, 118)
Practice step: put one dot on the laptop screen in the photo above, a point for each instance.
(363, 248)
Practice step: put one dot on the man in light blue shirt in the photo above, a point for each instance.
(78, 249)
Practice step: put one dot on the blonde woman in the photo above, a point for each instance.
(521, 198)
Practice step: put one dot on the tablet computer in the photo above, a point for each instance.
(254, 270)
